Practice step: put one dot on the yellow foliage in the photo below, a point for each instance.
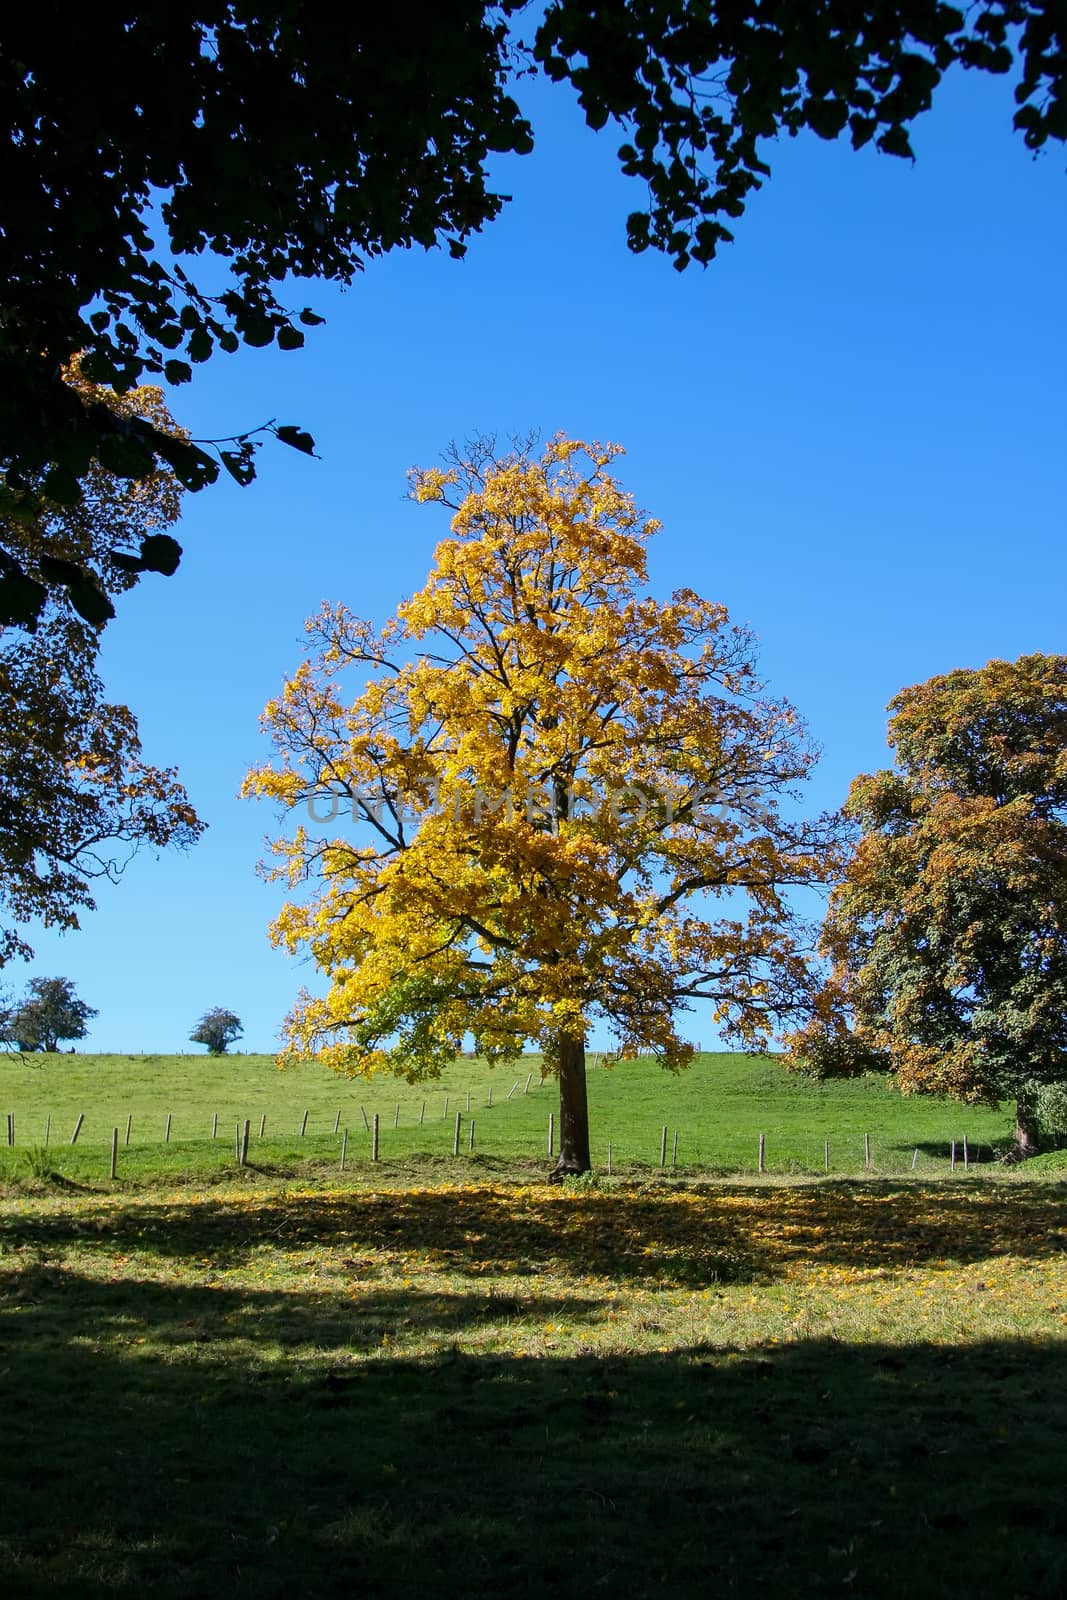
(531, 772)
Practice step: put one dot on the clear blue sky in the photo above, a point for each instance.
(852, 426)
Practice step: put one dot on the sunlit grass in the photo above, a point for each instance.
(714, 1115)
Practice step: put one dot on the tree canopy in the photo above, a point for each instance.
(948, 933)
(561, 799)
(76, 798)
(51, 1011)
(217, 1029)
(282, 144)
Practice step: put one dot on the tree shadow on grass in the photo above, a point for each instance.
(691, 1235)
(241, 1464)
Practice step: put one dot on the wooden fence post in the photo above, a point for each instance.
(396, 1115)
(663, 1146)
(366, 1124)
(263, 1125)
(514, 1086)
(455, 1136)
(48, 1128)
(77, 1127)
(674, 1155)
(422, 1113)
(344, 1149)
(470, 1138)
(914, 1158)
(444, 1113)
(952, 1156)
(609, 1160)
(468, 1101)
(527, 1088)
(490, 1099)
(966, 1154)
(114, 1150)
(166, 1131)
(866, 1149)
(129, 1126)
(826, 1155)
(215, 1126)
(244, 1141)
(762, 1152)
(374, 1139)
(303, 1124)
(337, 1120)
(11, 1127)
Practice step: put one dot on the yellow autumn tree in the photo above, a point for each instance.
(538, 798)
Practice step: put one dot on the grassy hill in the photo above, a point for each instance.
(718, 1109)
(446, 1376)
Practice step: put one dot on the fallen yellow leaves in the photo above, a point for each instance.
(538, 1268)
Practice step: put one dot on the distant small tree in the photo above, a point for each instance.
(50, 1012)
(217, 1029)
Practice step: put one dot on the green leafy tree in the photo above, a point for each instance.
(948, 932)
(286, 145)
(50, 1012)
(217, 1029)
(76, 799)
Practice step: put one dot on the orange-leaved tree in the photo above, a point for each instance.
(948, 931)
(554, 799)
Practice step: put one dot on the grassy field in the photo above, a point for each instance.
(280, 1389)
(718, 1109)
(446, 1376)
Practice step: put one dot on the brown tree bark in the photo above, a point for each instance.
(573, 1111)
(1027, 1132)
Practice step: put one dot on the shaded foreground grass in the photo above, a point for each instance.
(852, 1388)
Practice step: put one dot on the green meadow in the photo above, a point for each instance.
(718, 1110)
(377, 1386)
(443, 1375)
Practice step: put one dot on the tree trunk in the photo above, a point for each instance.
(573, 1111)
(1027, 1132)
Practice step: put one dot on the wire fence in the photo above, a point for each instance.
(464, 1126)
